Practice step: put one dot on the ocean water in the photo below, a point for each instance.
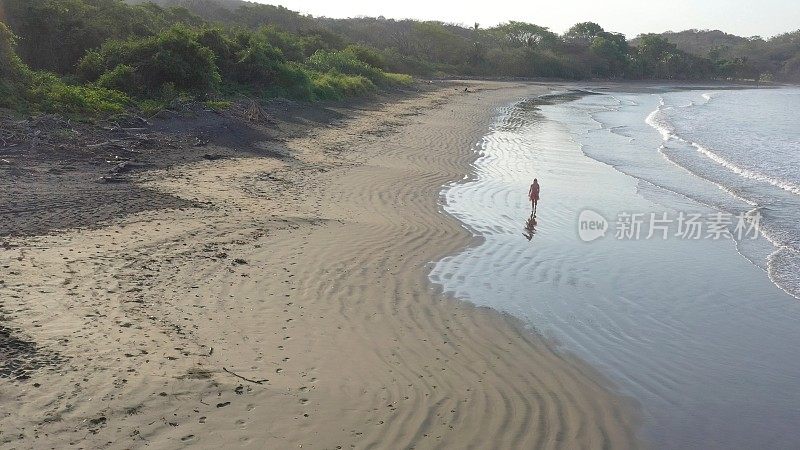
(701, 332)
(747, 142)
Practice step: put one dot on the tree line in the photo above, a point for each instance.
(775, 58)
(84, 55)
(103, 56)
(527, 50)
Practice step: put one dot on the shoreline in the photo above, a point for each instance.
(296, 308)
(613, 302)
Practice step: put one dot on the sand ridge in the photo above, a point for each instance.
(294, 309)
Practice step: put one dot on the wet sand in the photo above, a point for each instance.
(692, 328)
(294, 310)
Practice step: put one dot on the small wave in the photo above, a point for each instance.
(745, 173)
(657, 119)
(663, 151)
(783, 270)
(708, 96)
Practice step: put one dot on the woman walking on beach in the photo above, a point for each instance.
(533, 195)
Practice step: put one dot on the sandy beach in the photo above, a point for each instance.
(284, 302)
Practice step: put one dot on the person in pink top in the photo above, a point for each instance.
(533, 195)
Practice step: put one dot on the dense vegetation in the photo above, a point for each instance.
(85, 56)
(528, 50)
(24, 89)
(97, 56)
(778, 57)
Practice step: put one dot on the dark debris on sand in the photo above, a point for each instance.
(20, 358)
(57, 173)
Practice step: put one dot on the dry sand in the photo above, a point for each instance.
(293, 311)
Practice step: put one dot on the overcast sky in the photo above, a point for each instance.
(632, 17)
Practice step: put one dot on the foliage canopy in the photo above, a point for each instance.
(83, 55)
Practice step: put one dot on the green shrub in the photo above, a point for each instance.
(91, 67)
(218, 105)
(157, 68)
(56, 34)
(49, 94)
(346, 62)
(290, 45)
(24, 89)
(11, 65)
(223, 47)
(368, 56)
(293, 81)
(263, 67)
(9, 94)
(216, 40)
(171, 57)
(120, 78)
(314, 40)
(258, 63)
(336, 86)
(7, 43)
(398, 79)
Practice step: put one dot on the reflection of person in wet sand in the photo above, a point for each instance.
(530, 227)
(533, 195)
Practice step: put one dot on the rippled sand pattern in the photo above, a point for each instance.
(691, 329)
(296, 310)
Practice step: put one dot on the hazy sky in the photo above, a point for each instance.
(632, 17)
